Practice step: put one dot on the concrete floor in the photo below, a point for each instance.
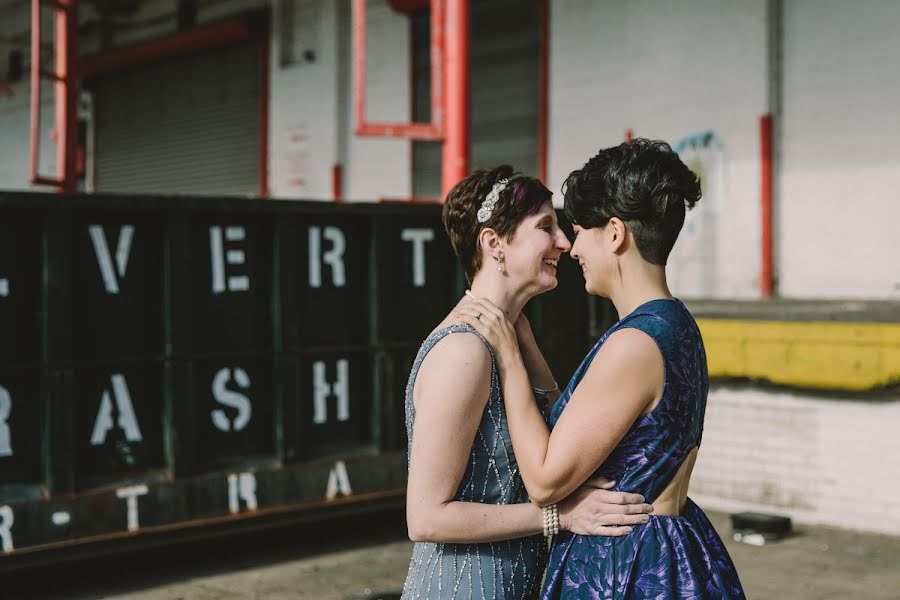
(361, 556)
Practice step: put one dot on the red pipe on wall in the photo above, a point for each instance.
(455, 162)
(767, 275)
(264, 52)
(35, 124)
(543, 87)
(337, 182)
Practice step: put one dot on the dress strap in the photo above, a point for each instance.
(432, 340)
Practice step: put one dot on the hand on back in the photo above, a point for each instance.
(594, 509)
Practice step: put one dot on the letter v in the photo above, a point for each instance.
(104, 259)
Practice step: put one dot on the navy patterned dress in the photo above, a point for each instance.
(507, 570)
(671, 556)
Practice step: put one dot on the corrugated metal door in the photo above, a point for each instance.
(504, 70)
(189, 125)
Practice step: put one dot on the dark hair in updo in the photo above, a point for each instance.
(642, 182)
(523, 196)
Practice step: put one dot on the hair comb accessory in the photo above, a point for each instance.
(487, 207)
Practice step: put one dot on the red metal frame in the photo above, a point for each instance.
(767, 271)
(455, 163)
(433, 131)
(543, 87)
(65, 78)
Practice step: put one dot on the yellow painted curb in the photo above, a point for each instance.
(824, 355)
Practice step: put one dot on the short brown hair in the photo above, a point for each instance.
(523, 196)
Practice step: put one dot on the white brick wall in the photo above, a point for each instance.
(816, 459)
(841, 159)
(670, 70)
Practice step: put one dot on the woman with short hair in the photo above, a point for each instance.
(634, 409)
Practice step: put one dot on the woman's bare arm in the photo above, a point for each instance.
(452, 387)
(451, 390)
(624, 379)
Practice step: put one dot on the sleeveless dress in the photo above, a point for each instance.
(508, 570)
(669, 557)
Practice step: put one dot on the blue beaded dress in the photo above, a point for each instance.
(507, 570)
(671, 556)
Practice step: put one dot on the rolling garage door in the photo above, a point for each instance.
(504, 72)
(189, 125)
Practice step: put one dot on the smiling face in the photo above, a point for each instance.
(532, 253)
(595, 250)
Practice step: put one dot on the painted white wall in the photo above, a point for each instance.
(303, 100)
(839, 201)
(15, 136)
(670, 71)
(807, 457)
(312, 121)
(382, 168)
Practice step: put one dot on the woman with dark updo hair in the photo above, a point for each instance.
(633, 411)
(477, 534)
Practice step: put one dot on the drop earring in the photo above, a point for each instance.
(500, 263)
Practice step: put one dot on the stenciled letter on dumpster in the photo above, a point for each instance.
(5, 434)
(7, 518)
(322, 389)
(418, 237)
(127, 419)
(232, 257)
(241, 486)
(334, 257)
(230, 398)
(112, 275)
(130, 495)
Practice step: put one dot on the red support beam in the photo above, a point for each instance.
(455, 164)
(67, 95)
(543, 87)
(767, 271)
(214, 35)
(65, 80)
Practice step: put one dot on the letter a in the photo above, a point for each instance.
(338, 482)
(127, 418)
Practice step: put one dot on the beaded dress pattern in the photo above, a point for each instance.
(507, 570)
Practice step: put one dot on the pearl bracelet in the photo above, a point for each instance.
(551, 520)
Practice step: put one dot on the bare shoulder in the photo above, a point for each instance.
(628, 350)
(631, 342)
(458, 367)
(462, 351)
